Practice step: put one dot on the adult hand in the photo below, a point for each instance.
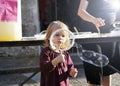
(98, 22)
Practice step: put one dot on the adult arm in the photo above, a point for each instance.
(82, 12)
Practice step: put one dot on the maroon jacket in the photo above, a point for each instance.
(58, 76)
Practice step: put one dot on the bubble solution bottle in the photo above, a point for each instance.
(10, 20)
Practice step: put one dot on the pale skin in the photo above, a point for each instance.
(98, 22)
(58, 40)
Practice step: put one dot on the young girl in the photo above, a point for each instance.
(56, 66)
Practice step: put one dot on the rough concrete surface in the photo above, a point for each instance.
(16, 79)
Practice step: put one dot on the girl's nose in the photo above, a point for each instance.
(60, 37)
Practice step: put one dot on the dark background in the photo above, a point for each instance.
(63, 10)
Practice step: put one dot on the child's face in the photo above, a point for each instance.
(59, 38)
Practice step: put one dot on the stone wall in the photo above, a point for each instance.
(30, 17)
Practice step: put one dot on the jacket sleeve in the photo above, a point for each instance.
(45, 62)
(70, 64)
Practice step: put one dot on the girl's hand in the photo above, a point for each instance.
(59, 59)
(73, 72)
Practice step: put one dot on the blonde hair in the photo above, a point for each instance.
(53, 26)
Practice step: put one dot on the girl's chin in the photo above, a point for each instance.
(57, 46)
(60, 44)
